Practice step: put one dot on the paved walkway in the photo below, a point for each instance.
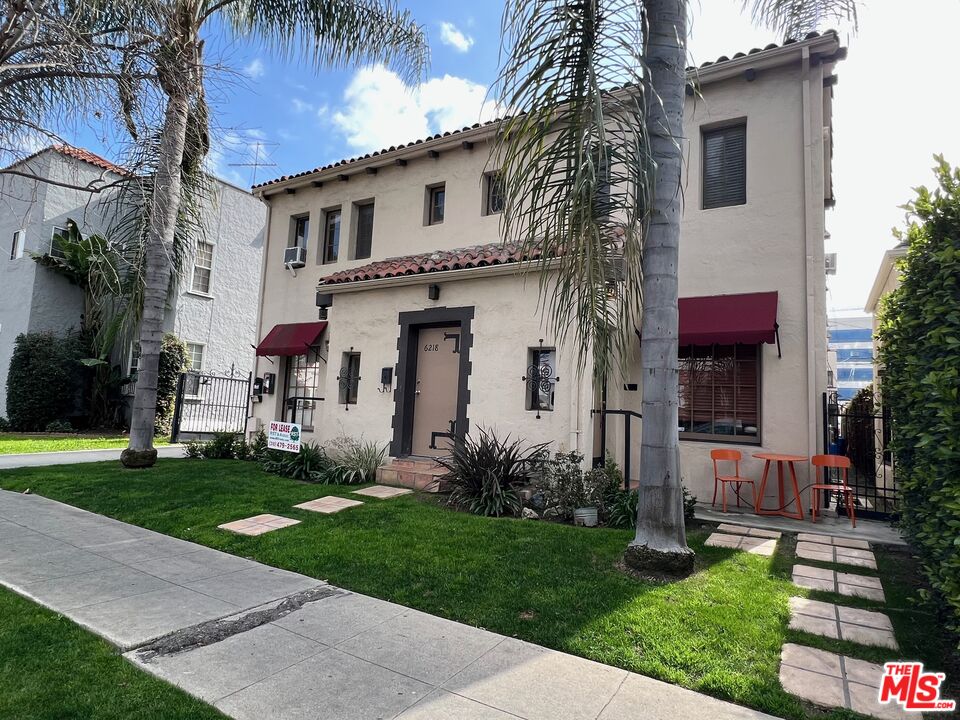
(258, 642)
(68, 457)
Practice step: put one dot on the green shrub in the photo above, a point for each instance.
(173, 361)
(919, 349)
(622, 508)
(689, 504)
(311, 464)
(59, 426)
(257, 447)
(46, 380)
(194, 449)
(4, 424)
(221, 447)
(565, 486)
(486, 472)
(355, 461)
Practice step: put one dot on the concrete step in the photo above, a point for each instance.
(416, 474)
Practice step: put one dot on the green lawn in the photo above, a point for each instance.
(15, 443)
(720, 631)
(52, 669)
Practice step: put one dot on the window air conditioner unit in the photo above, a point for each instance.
(295, 257)
(831, 263)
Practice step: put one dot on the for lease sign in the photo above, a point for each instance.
(284, 436)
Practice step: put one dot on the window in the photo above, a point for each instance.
(302, 381)
(331, 236)
(364, 231)
(55, 249)
(133, 366)
(299, 231)
(720, 392)
(191, 383)
(541, 378)
(495, 197)
(202, 268)
(16, 246)
(349, 378)
(195, 356)
(725, 166)
(436, 199)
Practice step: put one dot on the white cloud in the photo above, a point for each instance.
(452, 36)
(301, 106)
(255, 69)
(381, 110)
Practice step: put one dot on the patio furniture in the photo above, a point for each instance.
(733, 456)
(780, 459)
(842, 463)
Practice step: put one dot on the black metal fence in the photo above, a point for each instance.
(208, 404)
(863, 435)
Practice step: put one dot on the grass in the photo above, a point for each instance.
(16, 443)
(52, 669)
(719, 631)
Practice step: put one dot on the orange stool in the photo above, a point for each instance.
(733, 456)
(833, 461)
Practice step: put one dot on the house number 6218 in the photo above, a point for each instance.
(435, 347)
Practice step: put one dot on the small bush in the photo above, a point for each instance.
(257, 447)
(223, 446)
(622, 508)
(565, 486)
(689, 504)
(355, 461)
(4, 424)
(485, 473)
(173, 361)
(59, 426)
(194, 449)
(311, 464)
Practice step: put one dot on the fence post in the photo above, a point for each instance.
(627, 448)
(177, 410)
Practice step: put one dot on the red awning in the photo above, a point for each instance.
(291, 338)
(750, 318)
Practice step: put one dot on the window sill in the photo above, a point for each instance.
(195, 293)
(721, 439)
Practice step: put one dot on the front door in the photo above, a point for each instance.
(435, 392)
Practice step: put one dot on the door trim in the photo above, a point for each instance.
(406, 371)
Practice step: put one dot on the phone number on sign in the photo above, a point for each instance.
(283, 445)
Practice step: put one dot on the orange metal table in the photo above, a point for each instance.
(780, 459)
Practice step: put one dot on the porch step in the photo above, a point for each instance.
(416, 474)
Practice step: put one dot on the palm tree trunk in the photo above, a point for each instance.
(660, 544)
(158, 254)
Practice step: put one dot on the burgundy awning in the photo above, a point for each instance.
(749, 318)
(291, 338)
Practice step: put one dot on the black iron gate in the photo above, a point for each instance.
(863, 435)
(208, 404)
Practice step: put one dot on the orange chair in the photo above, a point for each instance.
(734, 457)
(832, 461)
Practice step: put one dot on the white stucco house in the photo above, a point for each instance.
(391, 310)
(214, 310)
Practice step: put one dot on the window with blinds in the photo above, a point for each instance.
(720, 392)
(725, 166)
(364, 231)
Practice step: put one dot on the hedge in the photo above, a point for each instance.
(46, 381)
(919, 336)
(173, 361)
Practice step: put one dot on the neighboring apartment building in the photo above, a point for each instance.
(850, 336)
(431, 326)
(214, 308)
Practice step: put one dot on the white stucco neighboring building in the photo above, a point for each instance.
(390, 309)
(214, 308)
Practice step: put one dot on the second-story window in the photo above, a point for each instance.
(300, 231)
(725, 166)
(436, 200)
(364, 230)
(331, 236)
(202, 268)
(16, 247)
(56, 250)
(495, 198)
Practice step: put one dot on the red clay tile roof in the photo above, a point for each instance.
(349, 161)
(89, 157)
(437, 261)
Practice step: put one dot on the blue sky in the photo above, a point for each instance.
(894, 108)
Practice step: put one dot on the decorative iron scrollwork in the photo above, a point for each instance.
(540, 377)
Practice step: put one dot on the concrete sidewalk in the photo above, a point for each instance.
(68, 457)
(262, 643)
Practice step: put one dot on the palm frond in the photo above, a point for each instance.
(795, 18)
(574, 159)
(334, 33)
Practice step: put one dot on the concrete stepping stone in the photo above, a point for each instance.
(814, 578)
(842, 623)
(836, 554)
(833, 540)
(258, 524)
(832, 680)
(748, 530)
(752, 545)
(383, 492)
(328, 505)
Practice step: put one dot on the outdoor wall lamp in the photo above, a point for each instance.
(433, 292)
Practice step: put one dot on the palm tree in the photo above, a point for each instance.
(325, 32)
(591, 158)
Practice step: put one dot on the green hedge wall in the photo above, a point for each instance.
(919, 336)
(46, 381)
